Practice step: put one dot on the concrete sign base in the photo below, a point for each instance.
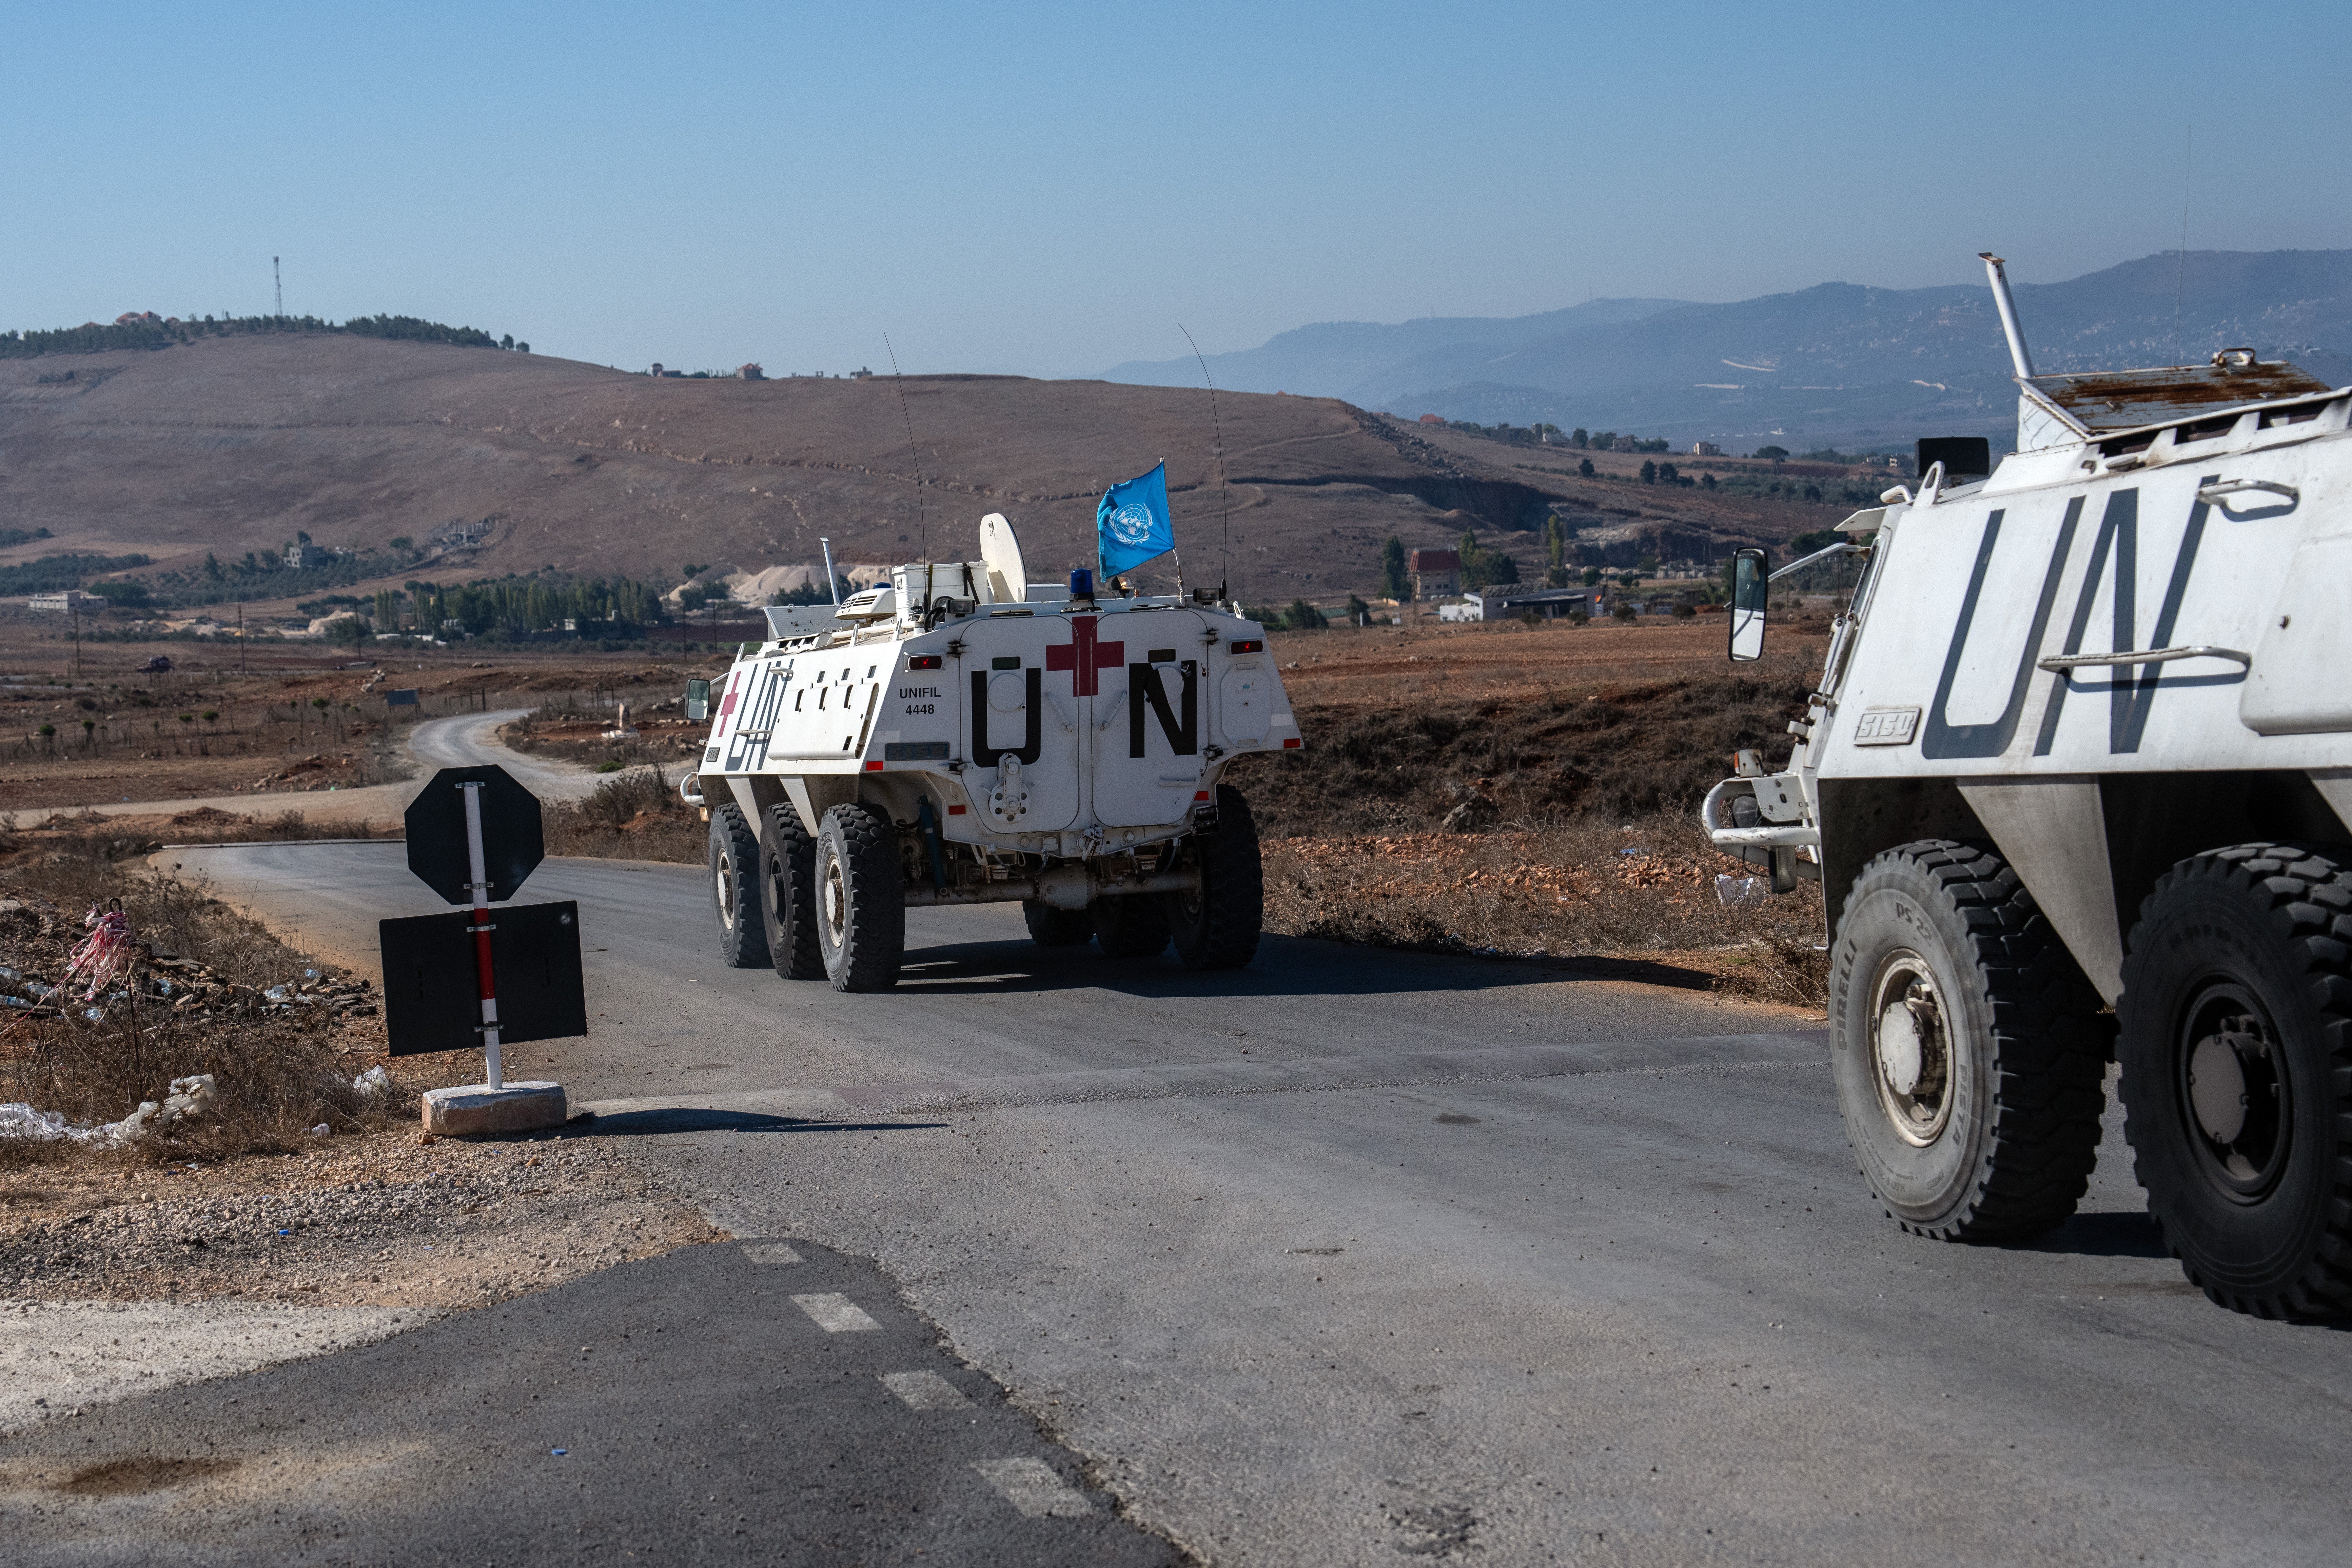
(476, 1108)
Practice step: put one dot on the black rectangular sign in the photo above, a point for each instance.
(432, 1002)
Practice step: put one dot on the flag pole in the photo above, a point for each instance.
(1173, 554)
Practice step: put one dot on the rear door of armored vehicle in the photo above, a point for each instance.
(1018, 704)
(1151, 723)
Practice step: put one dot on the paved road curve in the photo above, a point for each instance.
(1374, 1257)
(460, 741)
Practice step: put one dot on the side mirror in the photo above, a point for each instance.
(1752, 583)
(697, 701)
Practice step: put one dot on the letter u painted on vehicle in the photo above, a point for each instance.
(1939, 738)
(984, 755)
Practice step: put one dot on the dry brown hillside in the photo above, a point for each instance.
(233, 444)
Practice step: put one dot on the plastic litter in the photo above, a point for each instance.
(321, 1131)
(42, 1126)
(276, 994)
(372, 1081)
(105, 953)
(1733, 892)
(558, 1453)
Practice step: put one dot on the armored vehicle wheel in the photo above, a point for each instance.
(1135, 926)
(1052, 926)
(735, 889)
(861, 903)
(1968, 1049)
(2237, 1073)
(1217, 927)
(788, 895)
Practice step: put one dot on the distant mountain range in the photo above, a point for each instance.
(1838, 362)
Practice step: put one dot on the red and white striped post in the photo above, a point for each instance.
(483, 973)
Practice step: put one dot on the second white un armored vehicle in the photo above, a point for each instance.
(958, 735)
(2078, 781)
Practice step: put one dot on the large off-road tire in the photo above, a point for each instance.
(861, 900)
(788, 895)
(1968, 1049)
(735, 889)
(1052, 926)
(1217, 927)
(2237, 1073)
(1132, 926)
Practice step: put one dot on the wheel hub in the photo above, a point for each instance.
(726, 894)
(1910, 1048)
(2236, 1092)
(836, 903)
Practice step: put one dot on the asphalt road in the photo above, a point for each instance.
(460, 741)
(1358, 1257)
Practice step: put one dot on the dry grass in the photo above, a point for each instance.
(279, 1072)
(634, 816)
(1585, 888)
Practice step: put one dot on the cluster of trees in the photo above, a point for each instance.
(94, 337)
(1606, 441)
(1667, 474)
(256, 576)
(12, 537)
(514, 604)
(50, 574)
(1485, 568)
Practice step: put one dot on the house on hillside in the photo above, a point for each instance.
(1432, 419)
(64, 601)
(1435, 573)
(1706, 449)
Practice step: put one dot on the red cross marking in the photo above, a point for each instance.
(1083, 657)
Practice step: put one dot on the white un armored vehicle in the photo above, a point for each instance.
(2083, 743)
(958, 736)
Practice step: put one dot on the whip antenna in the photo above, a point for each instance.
(2180, 279)
(922, 528)
(1224, 506)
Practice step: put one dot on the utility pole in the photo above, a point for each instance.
(240, 637)
(279, 279)
(73, 607)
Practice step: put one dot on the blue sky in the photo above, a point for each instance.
(1051, 190)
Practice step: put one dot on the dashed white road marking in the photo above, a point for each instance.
(924, 1389)
(835, 1313)
(770, 1252)
(1033, 1486)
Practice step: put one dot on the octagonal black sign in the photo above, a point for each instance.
(512, 844)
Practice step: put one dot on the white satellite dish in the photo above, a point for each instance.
(1000, 552)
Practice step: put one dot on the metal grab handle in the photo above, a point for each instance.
(2211, 494)
(2142, 656)
(1844, 547)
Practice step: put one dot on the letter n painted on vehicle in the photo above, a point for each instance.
(1184, 739)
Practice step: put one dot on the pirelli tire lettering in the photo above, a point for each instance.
(2077, 786)
(954, 737)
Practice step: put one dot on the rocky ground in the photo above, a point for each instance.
(394, 1218)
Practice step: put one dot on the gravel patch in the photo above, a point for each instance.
(383, 1220)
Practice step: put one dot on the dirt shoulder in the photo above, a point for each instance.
(384, 1219)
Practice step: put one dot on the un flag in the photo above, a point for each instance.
(1131, 523)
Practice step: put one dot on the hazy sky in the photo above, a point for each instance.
(1051, 190)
